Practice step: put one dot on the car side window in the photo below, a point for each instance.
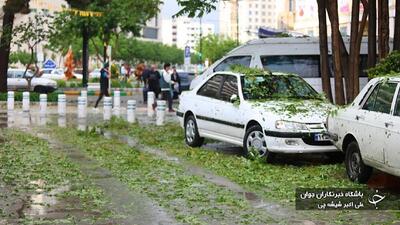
(231, 61)
(10, 74)
(211, 87)
(229, 88)
(397, 107)
(383, 98)
(369, 104)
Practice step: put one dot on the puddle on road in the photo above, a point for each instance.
(42, 202)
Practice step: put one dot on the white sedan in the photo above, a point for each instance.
(16, 81)
(368, 131)
(57, 74)
(225, 107)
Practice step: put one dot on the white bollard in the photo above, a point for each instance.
(107, 108)
(150, 103)
(10, 101)
(81, 107)
(160, 117)
(84, 94)
(62, 105)
(25, 101)
(43, 104)
(117, 99)
(131, 111)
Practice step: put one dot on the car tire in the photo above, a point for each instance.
(356, 170)
(335, 157)
(192, 137)
(255, 138)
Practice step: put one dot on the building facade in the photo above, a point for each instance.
(306, 17)
(241, 19)
(183, 32)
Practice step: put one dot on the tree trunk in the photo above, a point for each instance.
(357, 47)
(396, 38)
(85, 56)
(383, 28)
(372, 33)
(355, 14)
(5, 43)
(344, 56)
(323, 48)
(337, 65)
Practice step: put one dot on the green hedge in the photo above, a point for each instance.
(34, 97)
(386, 67)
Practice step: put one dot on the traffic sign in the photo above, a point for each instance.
(49, 64)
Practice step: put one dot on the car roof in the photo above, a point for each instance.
(394, 77)
(272, 73)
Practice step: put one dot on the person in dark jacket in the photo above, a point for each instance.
(104, 82)
(176, 87)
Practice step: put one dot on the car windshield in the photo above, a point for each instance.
(276, 86)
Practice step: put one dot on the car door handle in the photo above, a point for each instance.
(360, 117)
(389, 124)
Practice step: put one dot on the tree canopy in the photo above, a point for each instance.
(214, 47)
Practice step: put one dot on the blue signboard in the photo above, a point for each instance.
(49, 64)
(187, 52)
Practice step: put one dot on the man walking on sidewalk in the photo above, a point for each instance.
(104, 82)
(166, 86)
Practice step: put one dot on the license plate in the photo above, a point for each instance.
(321, 137)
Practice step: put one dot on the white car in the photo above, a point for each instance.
(58, 74)
(16, 81)
(368, 131)
(95, 73)
(54, 74)
(223, 108)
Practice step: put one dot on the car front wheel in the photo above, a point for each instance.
(192, 136)
(255, 144)
(355, 167)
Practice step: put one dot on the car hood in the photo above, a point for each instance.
(304, 111)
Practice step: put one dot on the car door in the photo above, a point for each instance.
(393, 136)
(227, 114)
(204, 104)
(371, 122)
(11, 81)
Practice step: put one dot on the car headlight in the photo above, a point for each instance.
(288, 126)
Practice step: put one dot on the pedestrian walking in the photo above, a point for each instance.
(176, 87)
(166, 86)
(142, 74)
(153, 81)
(104, 82)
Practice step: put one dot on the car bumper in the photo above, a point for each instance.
(280, 142)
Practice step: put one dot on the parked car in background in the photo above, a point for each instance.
(368, 131)
(95, 73)
(186, 78)
(298, 55)
(17, 82)
(223, 108)
(54, 74)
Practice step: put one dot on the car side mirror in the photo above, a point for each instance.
(234, 98)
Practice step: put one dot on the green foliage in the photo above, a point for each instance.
(20, 56)
(194, 8)
(134, 51)
(215, 47)
(114, 71)
(61, 83)
(387, 67)
(34, 97)
(190, 198)
(273, 181)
